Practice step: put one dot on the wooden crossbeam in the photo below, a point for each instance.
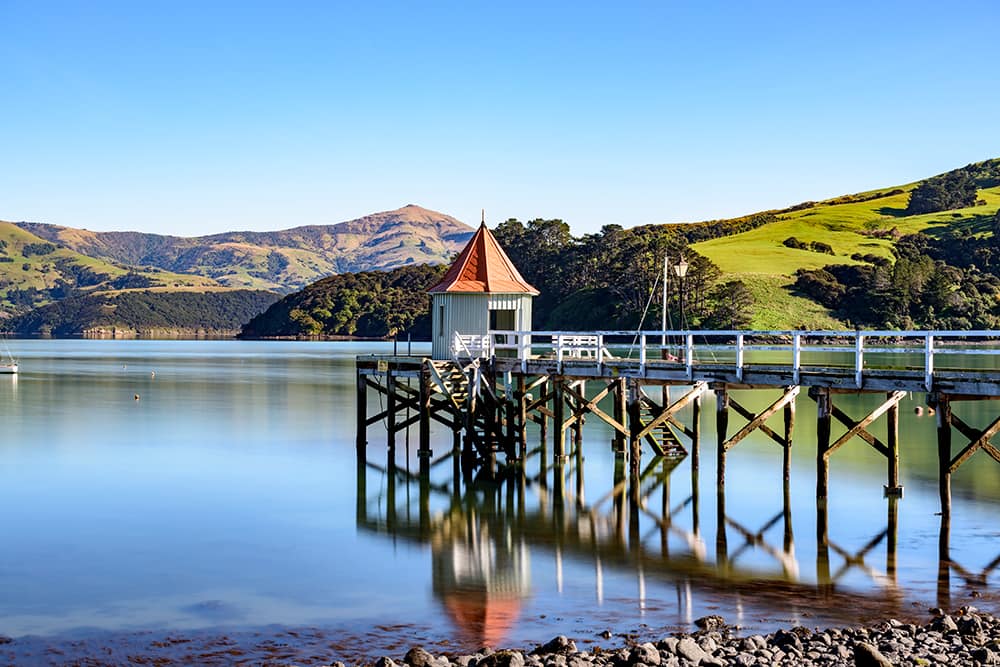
(750, 416)
(378, 386)
(859, 428)
(406, 423)
(590, 405)
(697, 390)
(787, 397)
(978, 440)
(376, 418)
(671, 418)
(539, 402)
(847, 421)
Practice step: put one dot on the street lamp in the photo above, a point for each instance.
(681, 269)
(663, 314)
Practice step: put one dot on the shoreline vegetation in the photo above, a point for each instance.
(966, 636)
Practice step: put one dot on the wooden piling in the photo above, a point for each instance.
(559, 412)
(634, 410)
(696, 430)
(786, 460)
(893, 487)
(390, 408)
(721, 427)
(620, 398)
(824, 414)
(361, 415)
(424, 451)
(943, 403)
(522, 418)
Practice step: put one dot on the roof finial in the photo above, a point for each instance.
(483, 221)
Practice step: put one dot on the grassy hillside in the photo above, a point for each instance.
(34, 271)
(850, 225)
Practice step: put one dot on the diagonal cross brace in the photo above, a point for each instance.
(757, 422)
(977, 440)
(585, 405)
(858, 428)
(697, 390)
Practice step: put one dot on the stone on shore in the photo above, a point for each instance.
(502, 659)
(711, 622)
(560, 644)
(688, 649)
(866, 655)
(418, 657)
(644, 654)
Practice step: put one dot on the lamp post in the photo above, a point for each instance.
(681, 269)
(663, 315)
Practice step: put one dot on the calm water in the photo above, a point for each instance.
(229, 496)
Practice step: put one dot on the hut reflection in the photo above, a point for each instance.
(481, 573)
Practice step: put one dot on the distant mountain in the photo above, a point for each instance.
(283, 261)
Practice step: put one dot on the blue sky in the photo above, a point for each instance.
(197, 117)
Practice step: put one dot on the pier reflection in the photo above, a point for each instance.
(484, 531)
(975, 581)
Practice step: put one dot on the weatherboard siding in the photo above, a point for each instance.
(470, 314)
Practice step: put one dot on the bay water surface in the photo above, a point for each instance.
(214, 485)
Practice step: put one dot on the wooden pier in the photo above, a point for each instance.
(640, 383)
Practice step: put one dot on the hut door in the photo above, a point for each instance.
(503, 320)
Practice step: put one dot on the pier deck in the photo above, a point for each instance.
(496, 384)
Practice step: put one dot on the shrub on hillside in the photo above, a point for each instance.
(955, 189)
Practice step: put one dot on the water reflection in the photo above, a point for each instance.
(482, 531)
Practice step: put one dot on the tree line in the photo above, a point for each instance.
(608, 280)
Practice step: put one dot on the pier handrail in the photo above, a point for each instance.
(689, 348)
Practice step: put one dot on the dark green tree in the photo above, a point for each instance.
(955, 189)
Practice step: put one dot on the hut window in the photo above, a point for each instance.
(441, 320)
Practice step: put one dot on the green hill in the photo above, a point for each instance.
(35, 271)
(862, 224)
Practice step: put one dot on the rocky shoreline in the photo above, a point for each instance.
(967, 637)
(964, 637)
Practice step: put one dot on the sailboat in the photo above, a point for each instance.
(8, 365)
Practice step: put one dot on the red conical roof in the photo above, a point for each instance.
(483, 266)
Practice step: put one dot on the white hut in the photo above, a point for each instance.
(481, 291)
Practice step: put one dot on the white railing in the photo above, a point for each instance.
(794, 350)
